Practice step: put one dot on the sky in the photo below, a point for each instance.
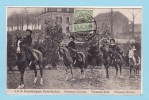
(126, 11)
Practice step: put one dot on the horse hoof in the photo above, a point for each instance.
(41, 83)
(22, 86)
(136, 77)
(107, 77)
(121, 76)
(19, 87)
(34, 86)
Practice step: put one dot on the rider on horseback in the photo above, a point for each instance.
(115, 51)
(132, 53)
(72, 48)
(27, 42)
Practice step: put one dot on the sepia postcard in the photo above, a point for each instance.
(74, 50)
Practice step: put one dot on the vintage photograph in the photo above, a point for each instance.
(74, 50)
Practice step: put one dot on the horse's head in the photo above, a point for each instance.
(104, 48)
(19, 45)
(60, 52)
(19, 48)
(63, 53)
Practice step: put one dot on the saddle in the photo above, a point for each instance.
(30, 54)
(74, 54)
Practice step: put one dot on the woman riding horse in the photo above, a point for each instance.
(24, 60)
(67, 59)
(107, 58)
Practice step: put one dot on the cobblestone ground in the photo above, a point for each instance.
(55, 79)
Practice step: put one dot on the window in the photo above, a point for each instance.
(67, 20)
(67, 29)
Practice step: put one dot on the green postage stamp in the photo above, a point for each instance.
(83, 20)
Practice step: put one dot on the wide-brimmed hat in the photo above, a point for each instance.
(112, 40)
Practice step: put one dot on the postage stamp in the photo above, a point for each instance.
(83, 20)
(74, 50)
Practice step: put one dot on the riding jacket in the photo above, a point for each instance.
(72, 44)
(28, 40)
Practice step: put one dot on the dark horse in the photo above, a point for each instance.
(23, 62)
(136, 67)
(107, 60)
(64, 54)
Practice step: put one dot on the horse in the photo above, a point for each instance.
(64, 54)
(93, 60)
(24, 62)
(107, 60)
(135, 67)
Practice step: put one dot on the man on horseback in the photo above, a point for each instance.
(72, 48)
(115, 52)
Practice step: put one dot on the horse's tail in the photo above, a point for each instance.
(83, 59)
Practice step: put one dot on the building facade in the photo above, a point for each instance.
(120, 22)
(62, 16)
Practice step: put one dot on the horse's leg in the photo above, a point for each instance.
(120, 66)
(35, 70)
(107, 73)
(138, 70)
(41, 73)
(83, 72)
(116, 69)
(134, 69)
(71, 69)
(67, 71)
(120, 69)
(22, 79)
(130, 69)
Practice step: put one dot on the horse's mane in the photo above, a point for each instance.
(66, 53)
(65, 49)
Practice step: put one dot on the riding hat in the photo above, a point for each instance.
(72, 37)
(112, 40)
(30, 31)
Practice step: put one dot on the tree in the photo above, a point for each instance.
(54, 36)
(134, 13)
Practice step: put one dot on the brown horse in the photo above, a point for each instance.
(107, 60)
(64, 54)
(136, 67)
(24, 60)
